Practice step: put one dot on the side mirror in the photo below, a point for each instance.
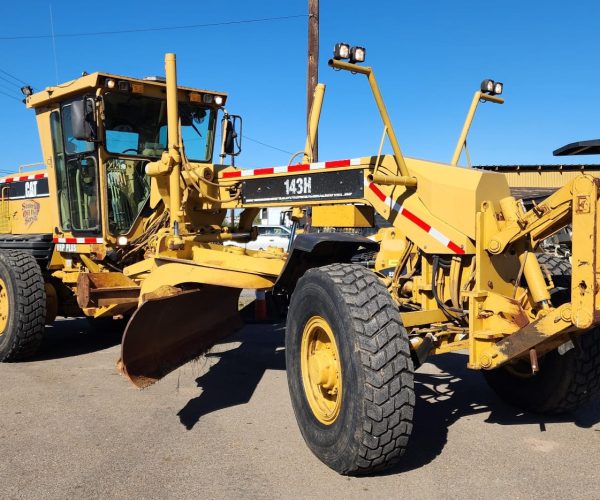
(232, 135)
(83, 119)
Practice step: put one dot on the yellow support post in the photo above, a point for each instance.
(462, 140)
(365, 70)
(584, 281)
(313, 125)
(174, 148)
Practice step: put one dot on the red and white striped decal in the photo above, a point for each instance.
(21, 178)
(290, 169)
(416, 220)
(89, 241)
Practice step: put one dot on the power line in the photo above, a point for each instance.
(162, 28)
(12, 76)
(7, 88)
(8, 81)
(12, 97)
(267, 145)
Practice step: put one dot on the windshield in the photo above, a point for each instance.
(137, 126)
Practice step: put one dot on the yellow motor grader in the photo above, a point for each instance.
(129, 219)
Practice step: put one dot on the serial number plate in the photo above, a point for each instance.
(347, 184)
(66, 247)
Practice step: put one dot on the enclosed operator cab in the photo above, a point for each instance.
(97, 135)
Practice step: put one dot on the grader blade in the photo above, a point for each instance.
(165, 333)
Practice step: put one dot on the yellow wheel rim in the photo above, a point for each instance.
(321, 370)
(3, 306)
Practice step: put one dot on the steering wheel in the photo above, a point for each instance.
(130, 149)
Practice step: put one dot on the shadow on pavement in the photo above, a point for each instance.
(74, 337)
(232, 380)
(442, 398)
(457, 392)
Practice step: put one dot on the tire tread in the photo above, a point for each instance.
(385, 357)
(30, 305)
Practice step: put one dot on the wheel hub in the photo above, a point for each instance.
(3, 307)
(321, 370)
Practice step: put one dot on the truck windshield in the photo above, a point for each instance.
(137, 126)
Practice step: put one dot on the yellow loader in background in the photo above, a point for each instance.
(133, 224)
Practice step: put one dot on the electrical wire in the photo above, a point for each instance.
(145, 30)
(267, 145)
(12, 97)
(12, 76)
(4, 87)
(8, 81)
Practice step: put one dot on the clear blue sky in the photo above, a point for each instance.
(429, 57)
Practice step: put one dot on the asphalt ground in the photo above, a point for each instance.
(223, 427)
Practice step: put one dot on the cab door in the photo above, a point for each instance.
(76, 176)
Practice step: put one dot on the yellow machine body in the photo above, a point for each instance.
(133, 218)
(25, 204)
(458, 258)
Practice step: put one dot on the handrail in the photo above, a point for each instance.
(29, 165)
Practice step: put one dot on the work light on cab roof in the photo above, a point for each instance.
(126, 86)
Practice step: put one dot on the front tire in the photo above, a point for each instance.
(350, 374)
(22, 305)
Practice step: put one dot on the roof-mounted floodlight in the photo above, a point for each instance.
(27, 90)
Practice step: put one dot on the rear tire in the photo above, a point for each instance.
(22, 305)
(363, 423)
(568, 376)
(560, 270)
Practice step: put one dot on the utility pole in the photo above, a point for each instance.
(313, 65)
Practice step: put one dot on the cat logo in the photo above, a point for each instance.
(31, 189)
(31, 210)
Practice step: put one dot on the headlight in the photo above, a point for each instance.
(357, 54)
(207, 98)
(341, 51)
(218, 100)
(110, 83)
(498, 88)
(122, 241)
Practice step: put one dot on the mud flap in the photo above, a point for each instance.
(165, 333)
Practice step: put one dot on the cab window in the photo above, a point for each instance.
(61, 171)
(81, 176)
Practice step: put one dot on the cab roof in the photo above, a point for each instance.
(93, 81)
